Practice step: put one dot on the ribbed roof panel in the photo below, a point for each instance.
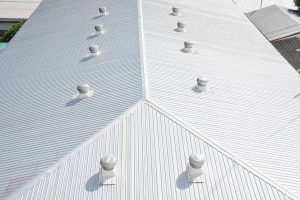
(250, 101)
(40, 70)
(152, 152)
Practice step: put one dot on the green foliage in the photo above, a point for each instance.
(297, 2)
(10, 33)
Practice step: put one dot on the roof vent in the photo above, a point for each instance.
(95, 50)
(195, 167)
(188, 47)
(99, 29)
(107, 170)
(84, 91)
(201, 84)
(103, 11)
(175, 11)
(180, 27)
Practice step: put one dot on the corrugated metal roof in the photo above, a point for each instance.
(250, 5)
(289, 49)
(250, 107)
(152, 151)
(276, 22)
(251, 100)
(40, 70)
(17, 9)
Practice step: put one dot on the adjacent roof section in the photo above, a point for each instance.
(152, 152)
(250, 107)
(40, 121)
(276, 22)
(289, 49)
(250, 5)
(17, 9)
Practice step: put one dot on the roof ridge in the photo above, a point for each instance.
(142, 52)
(219, 148)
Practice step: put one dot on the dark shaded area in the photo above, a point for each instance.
(93, 183)
(182, 181)
(294, 12)
(86, 58)
(289, 48)
(92, 36)
(98, 16)
(73, 102)
(10, 33)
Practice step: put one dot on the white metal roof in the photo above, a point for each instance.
(251, 106)
(17, 9)
(152, 151)
(40, 70)
(276, 22)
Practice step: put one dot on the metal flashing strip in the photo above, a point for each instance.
(142, 52)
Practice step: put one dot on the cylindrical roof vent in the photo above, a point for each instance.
(94, 49)
(196, 161)
(188, 47)
(180, 27)
(103, 11)
(83, 88)
(175, 11)
(195, 167)
(99, 29)
(201, 84)
(108, 162)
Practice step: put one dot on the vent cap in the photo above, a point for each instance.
(84, 91)
(201, 84)
(188, 47)
(196, 161)
(108, 162)
(180, 27)
(99, 29)
(175, 11)
(103, 11)
(94, 49)
(83, 88)
(202, 81)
